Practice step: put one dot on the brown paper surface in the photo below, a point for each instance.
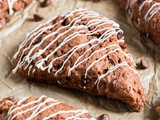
(13, 84)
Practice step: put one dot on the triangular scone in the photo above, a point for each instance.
(42, 108)
(81, 50)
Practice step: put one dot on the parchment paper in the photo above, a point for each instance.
(13, 34)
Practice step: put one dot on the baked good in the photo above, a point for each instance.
(42, 108)
(8, 7)
(81, 50)
(158, 111)
(146, 15)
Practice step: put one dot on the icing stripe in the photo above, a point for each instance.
(10, 6)
(111, 28)
(111, 70)
(63, 112)
(39, 108)
(41, 52)
(76, 116)
(152, 11)
(11, 110)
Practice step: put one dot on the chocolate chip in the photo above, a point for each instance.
(45, 3)
(37, 17)
(144, 64)
(103, 117)
(1, 111)
(119, 35)
(105, 71)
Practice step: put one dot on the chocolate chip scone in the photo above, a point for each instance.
(42, 108)
(8, 7)
(81, 50)
(146, 14)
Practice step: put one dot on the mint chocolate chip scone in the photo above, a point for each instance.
(85, 51)
(9, 7)
(146, 14)
(42, 108)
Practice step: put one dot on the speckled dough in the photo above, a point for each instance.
(42, 108)
(81, 50)
(146, 14)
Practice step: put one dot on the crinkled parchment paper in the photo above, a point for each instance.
(13, 34)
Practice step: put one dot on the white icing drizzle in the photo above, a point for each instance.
(75, 64)
(18, 103)
(121, 40)
(11, 110)
(27, 58)
(36, 112)
(10, 6)
(30, 67)
(39, 108)
(98, 21)
(37, 30)
(118, 49)
(152, 11)
(76, 116)
(64, 112)
(142, 5)
(92, 119)
(111, 70)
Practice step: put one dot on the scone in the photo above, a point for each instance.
(85, 51)
(8, 7)
(42, 108)
(146, 14)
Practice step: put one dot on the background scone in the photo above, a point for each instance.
(146, 14)
(8, 7)
(81, 50)
(42, 108)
